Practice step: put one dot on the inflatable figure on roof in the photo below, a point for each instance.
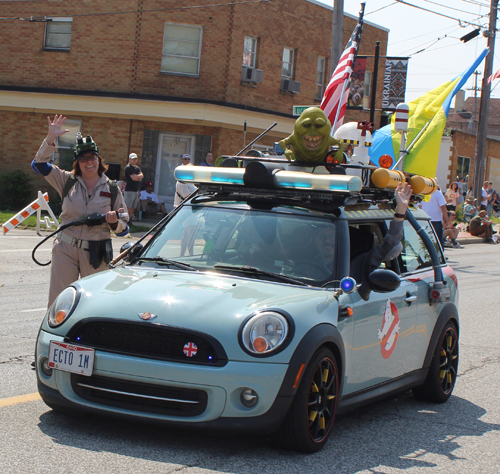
(311, 140)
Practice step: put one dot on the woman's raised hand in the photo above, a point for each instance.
(55, 129)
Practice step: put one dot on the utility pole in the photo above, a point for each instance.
(484, 110)
(473, 123)
(337, 30)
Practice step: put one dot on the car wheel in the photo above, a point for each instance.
(310, 418)
(442, 374)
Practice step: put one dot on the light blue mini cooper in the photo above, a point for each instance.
(240, 310)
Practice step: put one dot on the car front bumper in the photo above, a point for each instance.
(222, 385)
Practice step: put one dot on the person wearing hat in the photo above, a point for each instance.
(149, 201)
(80, 251)
(183, 190)
(480, 226)
(470, 208)
(133, 177)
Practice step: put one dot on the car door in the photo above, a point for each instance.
(383, 345)
(415, 264)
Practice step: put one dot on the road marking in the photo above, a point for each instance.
(24, 250)
(21, 399)
(32, 310)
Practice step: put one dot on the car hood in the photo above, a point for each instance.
(211, 303)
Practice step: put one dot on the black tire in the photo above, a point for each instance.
(440, 380)
(310, 418)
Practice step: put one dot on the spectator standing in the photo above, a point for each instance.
(190, 225)
(452, 196)
(491, 197)
(149, 201)
(484, 196)
(463, 188)
(436, 209)
(183, 190)
(133, 177)
(209, 160)
(480, 226)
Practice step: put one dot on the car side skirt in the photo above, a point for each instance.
(381, 391)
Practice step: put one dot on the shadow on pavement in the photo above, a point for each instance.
(395, 433)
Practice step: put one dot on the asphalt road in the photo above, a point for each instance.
(394, 436)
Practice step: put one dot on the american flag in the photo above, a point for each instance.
(494, 76)
(337, 92)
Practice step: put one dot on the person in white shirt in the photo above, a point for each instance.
(149, 201)
(183, 190)
(484, 196)
(436, 209)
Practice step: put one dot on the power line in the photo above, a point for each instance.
(439, 14)
(381, 8)
(477, 3)
(446, 6)
(128, 12)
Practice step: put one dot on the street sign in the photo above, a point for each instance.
(298, 109)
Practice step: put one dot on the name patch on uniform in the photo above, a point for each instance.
(105, 194)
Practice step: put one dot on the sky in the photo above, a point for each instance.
(431, 41)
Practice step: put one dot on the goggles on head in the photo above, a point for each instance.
(83, 146)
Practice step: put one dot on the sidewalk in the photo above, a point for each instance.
(465, 238)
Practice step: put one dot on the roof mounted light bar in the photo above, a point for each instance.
(273, 177)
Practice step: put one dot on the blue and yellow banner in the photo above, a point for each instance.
(428, 112)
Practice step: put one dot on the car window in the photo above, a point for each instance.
(298, 246)
(415, 255)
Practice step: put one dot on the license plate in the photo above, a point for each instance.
(71, 358)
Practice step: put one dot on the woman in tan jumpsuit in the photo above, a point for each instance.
(90, 194)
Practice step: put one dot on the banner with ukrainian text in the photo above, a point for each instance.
(394, 82)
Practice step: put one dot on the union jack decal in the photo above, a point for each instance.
(190, 349)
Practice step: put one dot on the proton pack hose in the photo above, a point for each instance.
(91, 221)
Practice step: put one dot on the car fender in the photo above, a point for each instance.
(448, 313)
(320, 335)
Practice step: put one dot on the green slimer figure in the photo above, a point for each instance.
(311, 140)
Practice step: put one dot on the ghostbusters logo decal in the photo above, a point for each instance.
(388, 335)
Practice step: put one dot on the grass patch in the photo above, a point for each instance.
(30, 222)
(133, 228)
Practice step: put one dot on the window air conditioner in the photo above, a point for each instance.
(288, 85)
(249, 74)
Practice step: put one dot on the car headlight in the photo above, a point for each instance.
(62, 307)
(264, 332)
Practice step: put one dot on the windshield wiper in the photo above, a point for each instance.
(166, 261)
(258, 271)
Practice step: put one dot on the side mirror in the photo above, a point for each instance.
(131, 254)
(381, 281)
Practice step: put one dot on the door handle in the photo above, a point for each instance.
(410, 298)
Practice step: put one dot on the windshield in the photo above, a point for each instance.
(225, 240)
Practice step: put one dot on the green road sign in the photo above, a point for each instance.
(298, 109)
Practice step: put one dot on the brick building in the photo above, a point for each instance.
(161, 78)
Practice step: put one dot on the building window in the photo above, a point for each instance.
(249, 51)
(63, 157)
(367, 86)
(320, 78)
(287, 67)
(58, 33)
(463, 167)
(181, 49)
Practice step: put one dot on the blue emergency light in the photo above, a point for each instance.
(279, 178)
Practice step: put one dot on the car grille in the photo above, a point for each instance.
(136, 396)
(154, 341)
